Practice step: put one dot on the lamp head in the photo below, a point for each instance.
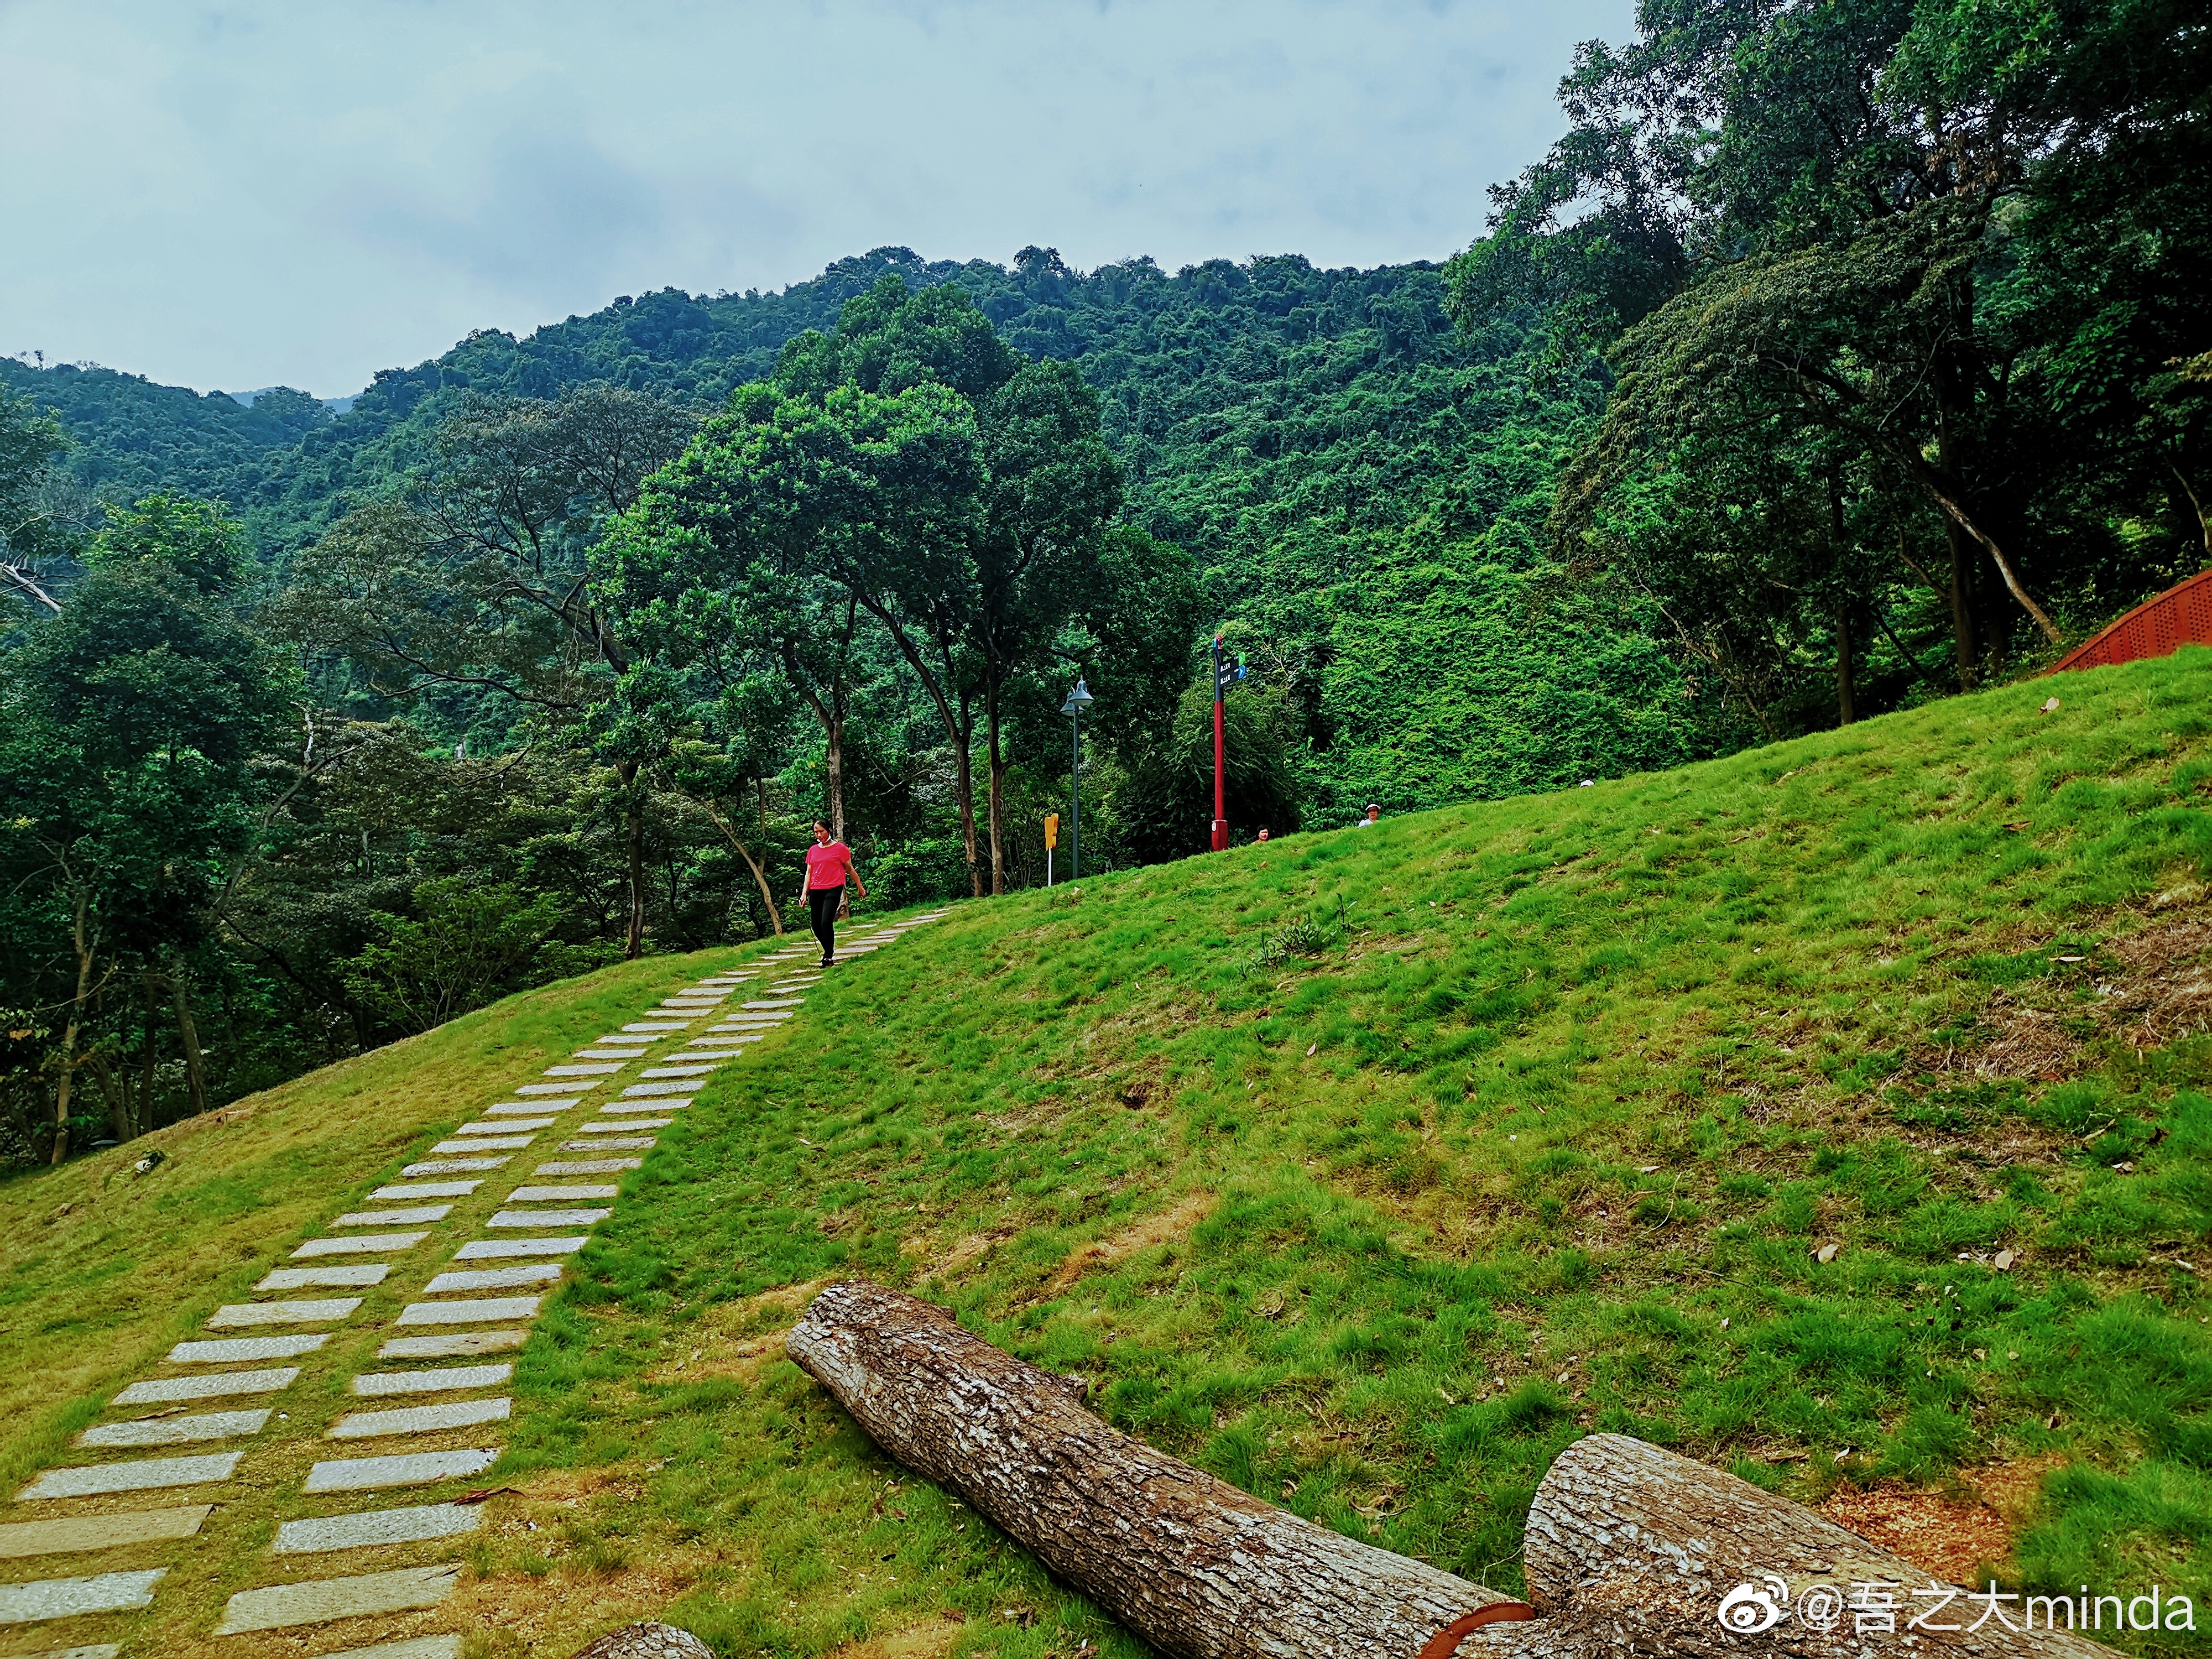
(1078, 700)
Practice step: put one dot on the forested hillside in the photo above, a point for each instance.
(1838, 359)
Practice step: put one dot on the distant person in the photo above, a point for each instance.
(828, 867)
(1263, 832)
(1374, 814)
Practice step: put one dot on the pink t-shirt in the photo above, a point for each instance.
(830, 866)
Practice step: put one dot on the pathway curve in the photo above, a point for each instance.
(176, 1452)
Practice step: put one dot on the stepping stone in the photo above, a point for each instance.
(319, 1600)
(592, 1166)
(477, 1143)
(559, 1195)
(451, 1347)
(481, 1311)
(101, 1532)
(239, 1350)
(412, 1647)
(675, 1071)
(422, 1419)
(493, 1250)
(374, 1384)
(494, 1278)
(148, 1474)
(392, 1218)
(353, 1532)
(426, 1190)
(166, 1390)
(659, 1026)
(454, 1165)
(618, 1040)
(623, 1106)
(777, 1002)
(482, 1132)
(95, 1650)
(620, 1128)
(175, 1431)
(522, 1108)
(283, 1313)
(358, 1275)
(548, 1218)
(64, 1598)
(559, 1088)
(638, 1090)
(596, 1068)
(611, 1053)
(354, 1246)
(716, 1045)
(597, 1146)
(408, 1469)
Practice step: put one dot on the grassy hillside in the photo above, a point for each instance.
(1368, 1170)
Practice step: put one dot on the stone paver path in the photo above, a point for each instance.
(82, 1507)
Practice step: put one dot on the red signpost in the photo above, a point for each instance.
(1220, 806)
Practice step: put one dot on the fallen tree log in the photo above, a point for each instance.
(1194, 1566)
(1629, 1548)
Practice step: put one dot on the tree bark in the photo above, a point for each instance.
(1629, 1548)
(143, 1119)
(1962, 613)
(1632, 1549)
(760, 876)
(1194, 1565)
(188, 1038)
(69, 1031)
(633, 849)
(995, 767)
(1846, 712)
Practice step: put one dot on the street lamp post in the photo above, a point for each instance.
(1222, 674)
(1077, 700)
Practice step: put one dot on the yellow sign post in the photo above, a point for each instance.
(1051, 840)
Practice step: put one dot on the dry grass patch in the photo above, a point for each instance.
(1159, 1228)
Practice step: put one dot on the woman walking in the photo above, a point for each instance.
(829, 864)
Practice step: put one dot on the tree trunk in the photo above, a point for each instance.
(69, 1032)
(760, 876)
(634, 849)
(1962, 615)
(1632, 1549)
(1629, 1549)
(1191, 1564)
(995, 772)
(188, 1038)
(964, 783)
(1846, 711)
(833, 736)
(150, 1011)
(116, 1093)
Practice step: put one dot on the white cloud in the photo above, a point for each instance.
(236, 195)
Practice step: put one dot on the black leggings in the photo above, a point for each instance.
(822, 904)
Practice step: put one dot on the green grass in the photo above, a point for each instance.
(1370, 1168)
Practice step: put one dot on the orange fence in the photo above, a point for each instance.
(2157, 628)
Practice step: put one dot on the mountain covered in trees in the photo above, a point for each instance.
(1839, 356)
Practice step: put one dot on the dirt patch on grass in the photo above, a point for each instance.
(2162, 992)
(932, 1640)
(1949, 1538)
(730, 1340)
(1156, 1228)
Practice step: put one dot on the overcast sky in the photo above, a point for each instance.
(238, 195)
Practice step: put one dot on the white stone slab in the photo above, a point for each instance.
(375, 1385)
(621, 1040)
(317, 1601)
(587, 1069)
(494, 1278)
(373, 1527)
(557, 1088)
(175, 1431)
(777, 1002)
(70, 1535)
(752, 1022)
(162, 1391)
(66, 1598)
(238, 1314)
(514, 1132)
(315, 1247)
(657, 1072)
(530, 1114)
(647, 1091)
(408, 1469)
(426, 1190)
(430, 1166)
(592, 1166)
(600, 1146)
(357, 1275)
(392, 1218)
(620, 1128)
(487, 1142)
(493, 1250)
(455, 1346)
(559, 1194)
(662, 1104)
(422, 1419)
(728, 1044)
(412, 1647)
(611, 1054)
(480, 1311)
(548, 1218)
(147, 1475)
(661, 1025)
(243, 1350)
(93, 1651)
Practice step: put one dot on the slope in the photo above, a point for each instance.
(1369, 1168)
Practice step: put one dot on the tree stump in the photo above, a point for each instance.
(646, 1641)
(1194, 1566)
